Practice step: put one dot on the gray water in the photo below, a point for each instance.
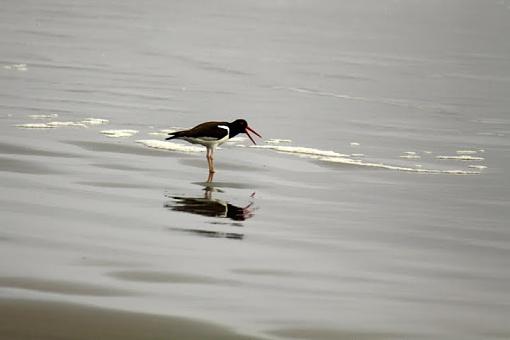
(328, 249)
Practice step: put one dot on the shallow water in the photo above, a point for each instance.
(376, 206)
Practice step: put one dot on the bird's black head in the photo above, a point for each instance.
(241, 126)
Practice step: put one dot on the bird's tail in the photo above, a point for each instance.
(173, 135)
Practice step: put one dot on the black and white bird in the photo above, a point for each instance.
(212, 134)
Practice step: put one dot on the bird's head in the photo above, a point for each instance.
(241, 126)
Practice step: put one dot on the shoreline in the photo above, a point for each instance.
(25, 319)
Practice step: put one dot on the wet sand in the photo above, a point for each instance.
(29, 319)
(103, 230)
(59, 287)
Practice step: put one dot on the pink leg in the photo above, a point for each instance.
(210, 160)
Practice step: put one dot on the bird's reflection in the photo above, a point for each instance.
(208, 206)
(212, 233)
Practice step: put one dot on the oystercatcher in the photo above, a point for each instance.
(212, 134)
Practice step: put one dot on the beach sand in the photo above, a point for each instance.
(28, 319)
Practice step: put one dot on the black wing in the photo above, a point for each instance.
(208, 129)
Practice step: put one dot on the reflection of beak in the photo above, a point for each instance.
(255, 132)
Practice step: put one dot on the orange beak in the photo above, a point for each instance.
(255, 132)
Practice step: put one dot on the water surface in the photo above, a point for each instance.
(375, 208)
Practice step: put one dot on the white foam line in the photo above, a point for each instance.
(59, 124)
(35, 126)
(170, 146)
(335, 157)
(237, 139)
(165, 132)
(171, 130)
(461, 158)
(480, 167)
(465, 152)
(50, 125)
(51, 115)
(17, 67)
(393, 167)
(300, 150)
(277, 141)
(157, 133)
(119, 133)
(95, 121)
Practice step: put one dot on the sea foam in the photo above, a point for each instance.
(335, 157)
(170, 146)
(461, 158)
(54, 124)
(50, 125)
(34, 126)
(60, 124)
(410, 156)
(299, 150)
(16, 67)
(44, 116)
(350, 161)
(479, 167)
(119, 133)
(277, 141)
(95, 121)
